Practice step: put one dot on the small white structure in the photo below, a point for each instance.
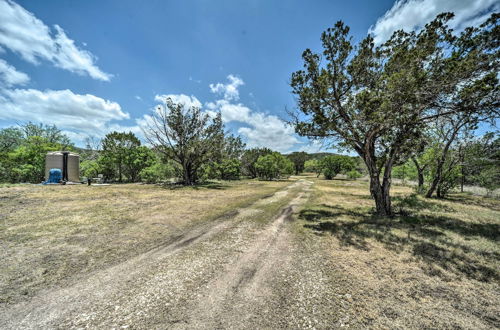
(67, 162)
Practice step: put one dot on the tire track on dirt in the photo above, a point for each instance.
(90, 302)
(234, 298)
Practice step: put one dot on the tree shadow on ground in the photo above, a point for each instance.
(202, 185)
(412, 202)
(424, 236)
(486, 202)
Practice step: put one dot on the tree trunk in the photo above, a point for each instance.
(420, 173)
(436, 180)
(462, 172)
(439, 193)
(186, 173)
(420, 180)
(380, 192)
(439, 168)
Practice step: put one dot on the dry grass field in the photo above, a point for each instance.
(435, 265)
(52, 234)
(302, 253)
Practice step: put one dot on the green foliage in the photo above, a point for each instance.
(489, 178)
(378, 100)
(450, 179)
(273, 166)
(232, 147)
(229, 169)
(444, 166)
(314, 166)
(23, 150)
(90, 168)
(27, 162)
(10, 139)
(353, 175)
(26, 173)
(135, 160)
(481, 162)
(50, 133)
(123, 156)
(298, 159)
(225, 164)
(311, 165)
(158, 172)
(335, 164)
(249, 159)
(187, 136)
(406, 171)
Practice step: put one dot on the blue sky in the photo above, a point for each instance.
(95, 66)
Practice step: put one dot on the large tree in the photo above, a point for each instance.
(274, 166)
(116, 150)
(186, 135)
(23, 149)
(137, 159)
(298, 159)
(249, 159)
(378, 100)
(335, 164)
(50, 133)
(10, 139)
(480, 161)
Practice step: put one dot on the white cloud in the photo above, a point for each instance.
(262, 131)
(228, 91)
(188, 101)
(414, 14)
(259, 129)
(83, 114)
(26, 35)
(9, 76)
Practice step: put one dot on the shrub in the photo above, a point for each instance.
(90, 168)
(156, 173)
(274, 166)
(313, 166)
(353, 175)
(335, 164)
(229, 169)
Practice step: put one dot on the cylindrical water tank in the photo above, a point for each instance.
(55, 159)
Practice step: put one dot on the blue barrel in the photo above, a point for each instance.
(55, 176)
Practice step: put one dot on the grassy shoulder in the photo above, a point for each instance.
(435, 265)
(51, 234)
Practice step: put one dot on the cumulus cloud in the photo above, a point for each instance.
(83, 114)
(9, 76)
(187, 101)
(230, 90)
(261, 130)
(26, 35)
(258, 129)
(414, 14)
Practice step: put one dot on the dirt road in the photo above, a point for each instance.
(230, 273)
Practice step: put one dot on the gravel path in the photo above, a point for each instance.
(231, 273)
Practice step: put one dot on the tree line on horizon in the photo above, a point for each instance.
(121, 157)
